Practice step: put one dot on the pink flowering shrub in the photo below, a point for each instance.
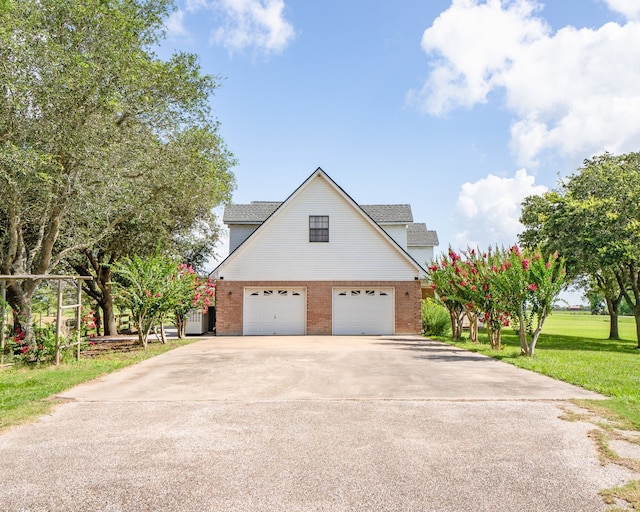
(191, 292)
(499, 288)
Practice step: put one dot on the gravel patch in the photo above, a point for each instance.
(304, 456)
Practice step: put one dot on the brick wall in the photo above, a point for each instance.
(230, 295)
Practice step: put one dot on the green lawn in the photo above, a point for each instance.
(25, 392)
(574, 348)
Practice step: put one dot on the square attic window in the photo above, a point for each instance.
(318, 228)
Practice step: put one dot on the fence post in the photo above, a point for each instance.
(78, 318)
(3, 298)
(59, 322)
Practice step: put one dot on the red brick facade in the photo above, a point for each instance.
(230, 299)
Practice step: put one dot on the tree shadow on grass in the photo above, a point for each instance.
(561, 342)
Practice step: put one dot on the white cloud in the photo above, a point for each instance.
(489, 209)
(253, 23)
(628, 8)
(175, 26)
(573, 91)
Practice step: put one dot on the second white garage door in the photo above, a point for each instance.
(363, 311)
(269, 311)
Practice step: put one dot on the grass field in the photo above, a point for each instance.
(574, 348)
(25, 392)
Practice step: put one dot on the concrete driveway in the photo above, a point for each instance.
(309, 424)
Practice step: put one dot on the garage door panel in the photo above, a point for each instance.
(363, 311)
(269, 311)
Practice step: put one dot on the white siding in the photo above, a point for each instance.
(280, 249)
(197, 322)
(398, 233)
(423, 255)
(238, 234)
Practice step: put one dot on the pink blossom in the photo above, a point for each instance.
(433, 268)
(525, 264)
(532, 287)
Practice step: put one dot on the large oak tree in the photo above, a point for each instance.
(593, 219)
(95, 132)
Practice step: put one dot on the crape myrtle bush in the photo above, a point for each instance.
(499, 287)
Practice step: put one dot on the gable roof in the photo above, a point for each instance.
(257, 212)
(258, 208)
(418, 234)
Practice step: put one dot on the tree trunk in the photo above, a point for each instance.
(522, 334)
(457, 315)
(613, 307)
(495, 337)
(98, 321)
(100, 288)
(19, 298)
(109, 318)
(103, 280)
(181, 326)
(473, 326)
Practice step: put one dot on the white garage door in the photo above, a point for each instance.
(270, 311)
(363, 311)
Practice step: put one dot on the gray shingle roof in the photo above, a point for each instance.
(258, 211)
(383, 213)
(254, 213)
(418, 234)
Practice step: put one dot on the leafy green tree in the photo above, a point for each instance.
(598, 212)
(96, 131)
(584, 220)
(145, 287)
(180, 219)
(442, 278)
(190, 293)
(528, 286)
(467, 282)
(596, 301)
(503, 286)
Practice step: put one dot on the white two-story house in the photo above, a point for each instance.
(319, 263)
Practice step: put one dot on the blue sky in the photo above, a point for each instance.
(460, 108)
